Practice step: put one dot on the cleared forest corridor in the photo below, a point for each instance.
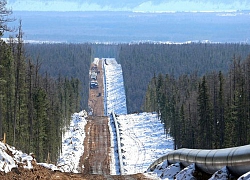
(95, 159)
(95, 162)
(97, 142)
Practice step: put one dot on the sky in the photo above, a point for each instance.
(128, 5)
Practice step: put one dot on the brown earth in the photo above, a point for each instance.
(39, 172)
(95, 101)
(95, 162)
(95, 159)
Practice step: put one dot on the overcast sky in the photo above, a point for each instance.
(129, 5)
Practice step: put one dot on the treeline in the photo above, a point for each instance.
(141, 61)
(34, 107)
(212, 111)
(65, 60)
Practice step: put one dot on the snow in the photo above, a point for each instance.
(142, 136)
(187, 173)
(160, 168)
(221, 174)
(12, 158)
(143, 140)
(171, 171)
(115, 92)
(72, 150)
(174, 171)
(72, 144)
(245, 176)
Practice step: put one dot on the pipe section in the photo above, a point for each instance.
(237, 159)
(118, 143)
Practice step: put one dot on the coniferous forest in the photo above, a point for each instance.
(208, 111)
(34, 106)
(141, 62)
(65, 60)
(201, 91)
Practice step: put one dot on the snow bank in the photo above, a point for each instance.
(12, 158)
(187, 173)
(142, 141)
(72, 149)
(171, 171)
(245, 176)
(115, 92)
(72, 144)
(174, 171)
(142, 135)
(220, 174)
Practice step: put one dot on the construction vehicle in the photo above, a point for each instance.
(93, 84)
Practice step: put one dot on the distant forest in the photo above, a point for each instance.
(64, 60)
(140, 62)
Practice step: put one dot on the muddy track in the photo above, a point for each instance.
(95, 162)
(96, 156)
(96, 101)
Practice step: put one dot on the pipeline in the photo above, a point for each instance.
(105, 90)
(236, 159)
(113, 117)
(118, 143)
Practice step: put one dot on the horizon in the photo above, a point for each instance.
(133, 27)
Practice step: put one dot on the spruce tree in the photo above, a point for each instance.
(204, 110)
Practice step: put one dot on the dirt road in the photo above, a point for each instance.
(95, 102)
(95, 159)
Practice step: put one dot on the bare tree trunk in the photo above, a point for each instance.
(18, 79)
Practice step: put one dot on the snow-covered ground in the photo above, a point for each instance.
(142, 135)
(115, 92)
(114, 101)
(142, 141)
(10, 158)
(72, 143)
(72, 149)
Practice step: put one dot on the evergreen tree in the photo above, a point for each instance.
(204, 110)
(7, 87)
(183, 132)
(41, 119)
(221, 108)
(4, 17)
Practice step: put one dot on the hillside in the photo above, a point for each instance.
(148, 144)
(142, 139)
